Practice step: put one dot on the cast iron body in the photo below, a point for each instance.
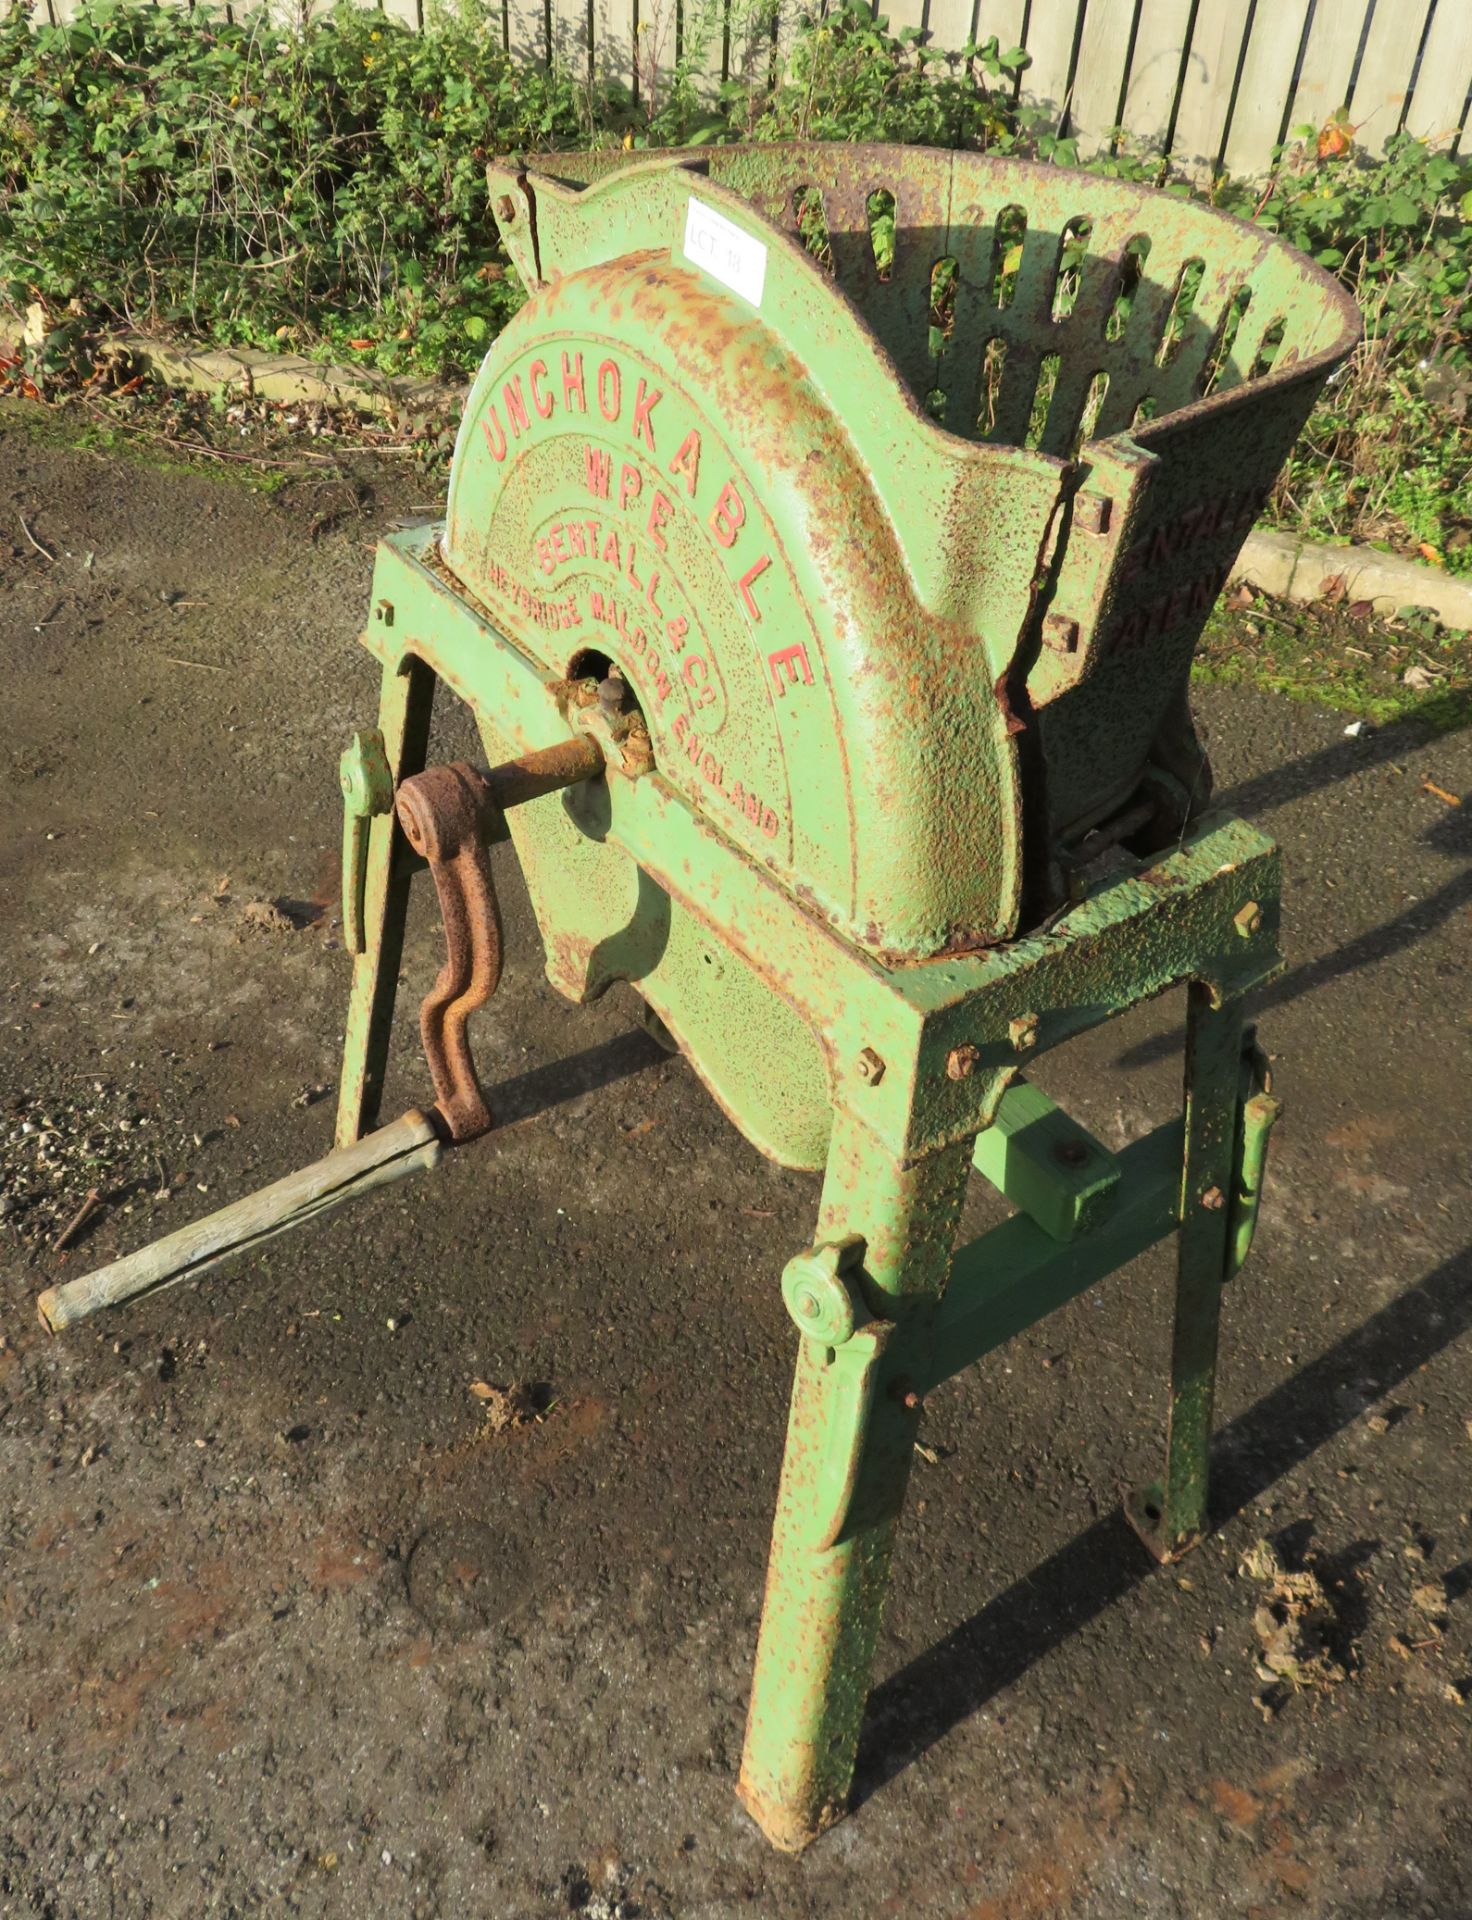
(832, 619)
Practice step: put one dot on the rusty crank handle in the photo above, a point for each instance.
(449, 815)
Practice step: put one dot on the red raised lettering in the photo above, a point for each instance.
(516, 412)
(697, 679)
(686, 462)
(541, 401)
(573, 396)
(630, 482)
(728, 515)
(610, 389)
(786, 664)
(495, 433)
(660, 509)
(640, 425)
(748, 580)
(597, 467)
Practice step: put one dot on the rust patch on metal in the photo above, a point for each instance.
(440, 812)
(448, 815)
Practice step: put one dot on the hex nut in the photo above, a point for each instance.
(1248, 921)
(961, 1061)
(869, 1067)
(1213, 1199)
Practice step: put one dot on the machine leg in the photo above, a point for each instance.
(1170, 1517)
(850, 1442)
(403, 720)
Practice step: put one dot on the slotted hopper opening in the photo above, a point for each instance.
(1029, 305)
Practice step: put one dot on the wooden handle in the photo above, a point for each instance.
(407, 1144)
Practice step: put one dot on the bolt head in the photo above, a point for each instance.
(1092, 512)
(1213, 1199)
(1248, 921)
(1023, 1032)
(1060, 632)
(869, 1067)
(961, 1061)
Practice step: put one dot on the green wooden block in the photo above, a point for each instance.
(1046, 1164)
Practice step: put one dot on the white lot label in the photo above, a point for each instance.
(727, 254)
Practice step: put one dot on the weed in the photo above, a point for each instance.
(324, 187)
(1344, 656)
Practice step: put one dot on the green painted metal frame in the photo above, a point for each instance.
(887, 1307)
(1087, 965)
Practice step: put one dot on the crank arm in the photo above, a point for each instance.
(450, 815)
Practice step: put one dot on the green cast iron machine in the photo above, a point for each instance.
(828, 539)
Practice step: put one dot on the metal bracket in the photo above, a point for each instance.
(846, 1343)
(1046, 1164)
(367, 789)
(1257, 1115)
(853, 1376)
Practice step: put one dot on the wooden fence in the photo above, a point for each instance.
(1211, 82)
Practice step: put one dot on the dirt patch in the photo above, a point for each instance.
(1298, 1628)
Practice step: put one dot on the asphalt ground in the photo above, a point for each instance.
(288, 1627)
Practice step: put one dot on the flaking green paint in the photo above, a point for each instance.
(928, 679)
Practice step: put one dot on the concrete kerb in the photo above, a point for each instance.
(1298, 570)
(289, 377)
(1276, 562)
